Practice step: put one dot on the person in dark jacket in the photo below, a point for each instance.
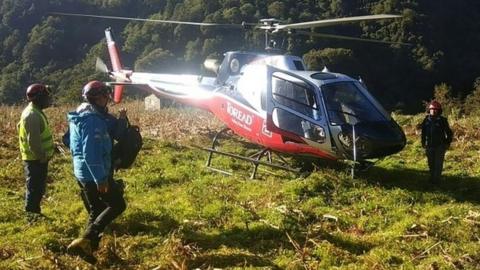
(436, 139)
(90, 142)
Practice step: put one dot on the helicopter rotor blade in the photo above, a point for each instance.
(271, 26)
(349, 38)
(329, 22)
(148, 20)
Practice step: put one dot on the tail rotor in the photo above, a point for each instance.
(100, 66)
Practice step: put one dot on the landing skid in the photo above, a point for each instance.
(255, 159)
(359, 166)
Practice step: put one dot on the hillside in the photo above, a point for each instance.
(36, 46)
(183, 216)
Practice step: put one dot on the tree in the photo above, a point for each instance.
(43, 44)
(11, 88)
(334, 59)
(276, 9)
(156, 61)
(35, 46)
(472, 102)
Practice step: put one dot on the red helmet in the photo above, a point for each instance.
(95, 89)
(36, 90)
(435, 105)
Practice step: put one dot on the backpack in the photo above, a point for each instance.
(126, 149)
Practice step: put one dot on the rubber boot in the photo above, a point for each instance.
(82, 247)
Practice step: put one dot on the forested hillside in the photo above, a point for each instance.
(61, 51)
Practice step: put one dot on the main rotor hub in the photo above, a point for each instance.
(270, 24)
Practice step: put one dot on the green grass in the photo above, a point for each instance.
(182, 216)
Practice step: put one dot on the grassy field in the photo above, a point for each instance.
(183, 216)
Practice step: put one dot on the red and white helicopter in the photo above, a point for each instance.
(271, 100)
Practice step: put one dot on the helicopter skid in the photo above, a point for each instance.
(255, 159)
(359, 166)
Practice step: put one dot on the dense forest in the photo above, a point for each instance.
(36, 46)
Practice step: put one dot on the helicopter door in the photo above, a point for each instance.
(293, 108)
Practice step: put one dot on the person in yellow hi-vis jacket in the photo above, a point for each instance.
(36, 145)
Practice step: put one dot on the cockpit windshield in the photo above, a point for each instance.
(346, 104)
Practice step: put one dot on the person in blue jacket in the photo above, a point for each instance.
(90, 142)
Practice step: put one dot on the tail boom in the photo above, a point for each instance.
(188, 89)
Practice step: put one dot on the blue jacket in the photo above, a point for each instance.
(116, 127)
(90, 144)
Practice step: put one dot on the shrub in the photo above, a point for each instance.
(451, 105)
(472, 101)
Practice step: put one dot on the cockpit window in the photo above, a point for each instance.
(347, 104)
(298, 65)
(295, 95)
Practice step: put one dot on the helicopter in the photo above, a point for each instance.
(271, 100)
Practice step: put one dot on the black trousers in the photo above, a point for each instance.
(103, 208)
(36, 181)
(435, 157)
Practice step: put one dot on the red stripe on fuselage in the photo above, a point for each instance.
(245, 122)
(249, 124)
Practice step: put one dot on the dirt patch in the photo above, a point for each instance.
(6, 253)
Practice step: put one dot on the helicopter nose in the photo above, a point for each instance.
(383, 138)
(377, 139)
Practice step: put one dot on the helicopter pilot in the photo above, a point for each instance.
(338, 110)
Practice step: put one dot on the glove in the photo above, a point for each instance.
(122, 113)
(103, 187)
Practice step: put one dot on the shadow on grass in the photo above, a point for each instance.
(354, 247)
(257, 240)
(261, 240)
(163, 181)
(173, 146)
(461, 188)
(144, 222)
(231, 260)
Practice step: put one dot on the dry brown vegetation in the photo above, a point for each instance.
(181, 216)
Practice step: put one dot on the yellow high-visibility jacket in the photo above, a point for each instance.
(35, 137)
